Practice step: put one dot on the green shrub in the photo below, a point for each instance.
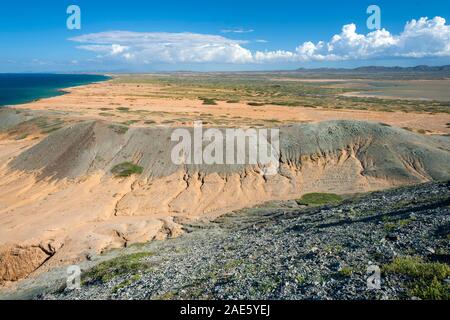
(346, 272)
(108, 270)
(50, 130)
(317, 199)
(256, 104)
(130, 122)
(126, 169)
(22, 136)
(208, 101)
(120, 129)
(425, 280)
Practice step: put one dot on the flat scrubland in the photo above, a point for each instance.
(261, 90)
(247, 100)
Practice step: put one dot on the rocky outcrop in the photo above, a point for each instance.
(17, 262)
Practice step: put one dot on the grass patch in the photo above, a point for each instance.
(126, 283)
(317, 199)
(392, 224)
(256, 104)
(209, 102)
(425, 280)
(286, 103)
(50, 130)
(346, 272)
(273, 121)
(22, 136)
(126, 169)
(108, 270)
(119, 129)
(106, 114)
(300, 279)
(130, 122)
(171, 295)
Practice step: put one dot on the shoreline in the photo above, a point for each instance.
(56, 91)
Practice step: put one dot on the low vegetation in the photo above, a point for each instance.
(346, 272)
(119, 129)
(256, 104)
(108, 270)
(425, 280)
(126, 169)
(317, 199)
(22, 136)
(208, 101)
(260, 90)
(50, 130)
(130, 122)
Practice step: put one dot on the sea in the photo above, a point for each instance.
(24, 88)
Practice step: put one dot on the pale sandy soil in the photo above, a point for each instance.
(100, 101)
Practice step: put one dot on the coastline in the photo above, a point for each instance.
(51, 91)
(140, 106)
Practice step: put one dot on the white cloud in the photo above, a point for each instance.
(237, 30)
(420, 38)
(165, 47)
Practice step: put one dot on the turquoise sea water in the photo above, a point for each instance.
(23, 88)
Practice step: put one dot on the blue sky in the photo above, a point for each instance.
(219, 35)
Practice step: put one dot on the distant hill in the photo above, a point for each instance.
(420, 68)
(417, 72)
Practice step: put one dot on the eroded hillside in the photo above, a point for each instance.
(60, 202)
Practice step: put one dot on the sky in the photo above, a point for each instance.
(219, 35)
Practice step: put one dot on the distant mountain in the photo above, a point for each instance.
(420, 68)
(421, 72)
